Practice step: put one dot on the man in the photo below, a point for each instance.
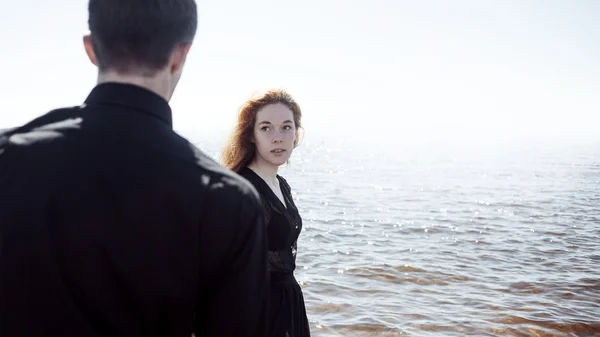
(113, 225)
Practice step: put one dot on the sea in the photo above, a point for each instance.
(448, 239)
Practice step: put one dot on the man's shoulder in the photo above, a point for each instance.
(5, 134)
(223, 182)
(52, 116)
(47, 126)
(48, 117)
(6, 131)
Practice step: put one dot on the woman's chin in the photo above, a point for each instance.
(278, 161)
(275, 160)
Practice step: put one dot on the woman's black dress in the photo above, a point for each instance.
(287, 309)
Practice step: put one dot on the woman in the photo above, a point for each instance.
(263, 139)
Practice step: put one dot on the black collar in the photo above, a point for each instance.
(131, 96)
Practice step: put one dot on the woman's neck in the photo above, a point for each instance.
(266, 171)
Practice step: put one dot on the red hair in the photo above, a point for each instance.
(239, 151)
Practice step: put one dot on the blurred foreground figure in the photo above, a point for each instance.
(113, 225)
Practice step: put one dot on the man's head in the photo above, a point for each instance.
(144, 39)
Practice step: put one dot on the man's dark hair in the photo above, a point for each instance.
(139, 34)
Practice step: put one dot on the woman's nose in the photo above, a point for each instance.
(277, 137)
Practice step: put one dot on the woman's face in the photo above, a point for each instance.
(274, 134)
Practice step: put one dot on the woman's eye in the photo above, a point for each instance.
(265, 128)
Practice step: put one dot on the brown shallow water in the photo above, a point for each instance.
(463, 241)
